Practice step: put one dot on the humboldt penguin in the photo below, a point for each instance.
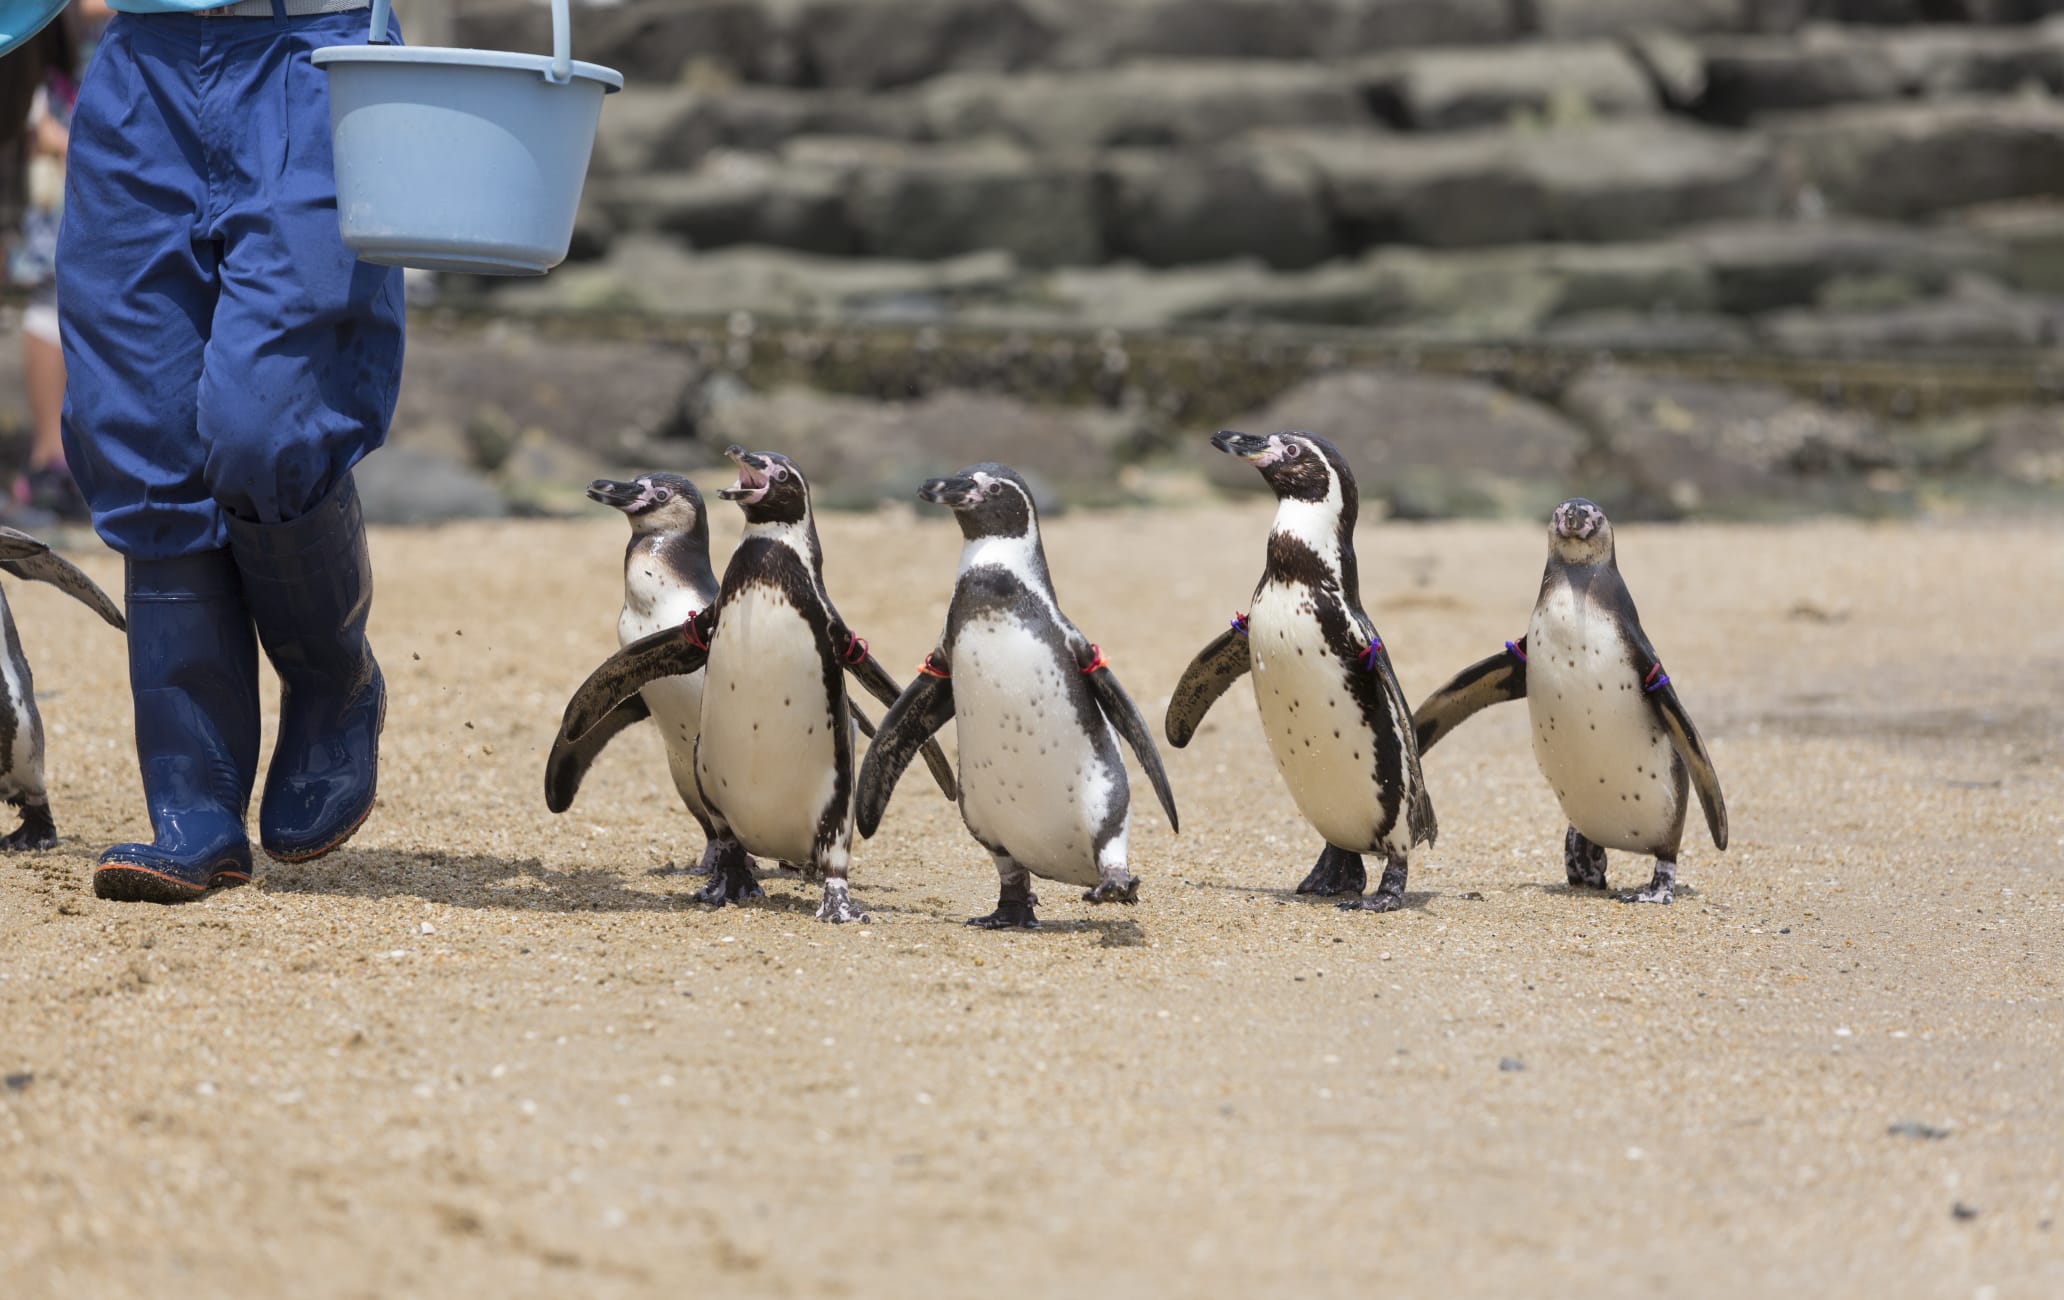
(21, 725)
(1330, 706)
(1037, 712)
(1609, 732)
(667, 581)
(774, 758)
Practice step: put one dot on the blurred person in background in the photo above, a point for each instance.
(49, 66)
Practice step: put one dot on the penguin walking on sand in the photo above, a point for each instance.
(1609, 732)
(774, 759)
(1330, 706)
(1037, 711)
(21, 725)
(667, 581)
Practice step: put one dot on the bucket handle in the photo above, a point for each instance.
(562, 38)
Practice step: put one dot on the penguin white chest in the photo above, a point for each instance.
(652, 601)
(654, 598)
(1322, 744)
(767, 759)
(1031, 778)
(23, 773)
(1595, 735)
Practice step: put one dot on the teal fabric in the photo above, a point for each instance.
(21, 19)
(164, 6)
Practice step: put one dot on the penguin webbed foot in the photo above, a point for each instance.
(1121, 888)
(1661, 888)
(731, 876)
(1582, 861)
(838, 907)
(721, 891)
(37, 831)
(1389, 895)
(1010, 914)
(1336, 872)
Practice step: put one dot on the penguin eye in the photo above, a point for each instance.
(1293, 450)
(777, 473)
(662, 494)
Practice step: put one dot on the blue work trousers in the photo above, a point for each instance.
(225, 351)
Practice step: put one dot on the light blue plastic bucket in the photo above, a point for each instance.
(21, 19)
(462, 160)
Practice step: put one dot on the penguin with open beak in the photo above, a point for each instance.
(774, 760)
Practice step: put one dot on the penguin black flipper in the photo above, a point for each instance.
(1423, 825)
(925, 706)
(1125, 716)
(32, 560)
(1489, 681)
(570, 759)
(1216, 667)
(867, 670)
(1684, 736)
(670, 652)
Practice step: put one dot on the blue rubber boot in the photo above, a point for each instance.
(193, 672)
(309, 583)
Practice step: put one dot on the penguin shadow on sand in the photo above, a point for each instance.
(473, 880)
(763, 873)
(487, 882)
(1587, 893)
(1412, 900)
(1122, 931)
(1117, 932)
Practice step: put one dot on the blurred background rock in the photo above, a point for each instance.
(1693, 257)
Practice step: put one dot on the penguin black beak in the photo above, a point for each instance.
(609, 492)
(953, 493)
(752, 481)
(1246, 446)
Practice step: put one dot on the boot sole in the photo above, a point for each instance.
(125, 882)
(310, 855)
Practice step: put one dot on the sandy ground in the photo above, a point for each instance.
(489, 1051)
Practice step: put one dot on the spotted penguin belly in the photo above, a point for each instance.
(675, 702)
(1032, 780)
(1595, 736)
(1321, 743)
(766, 758)
(22, 777)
